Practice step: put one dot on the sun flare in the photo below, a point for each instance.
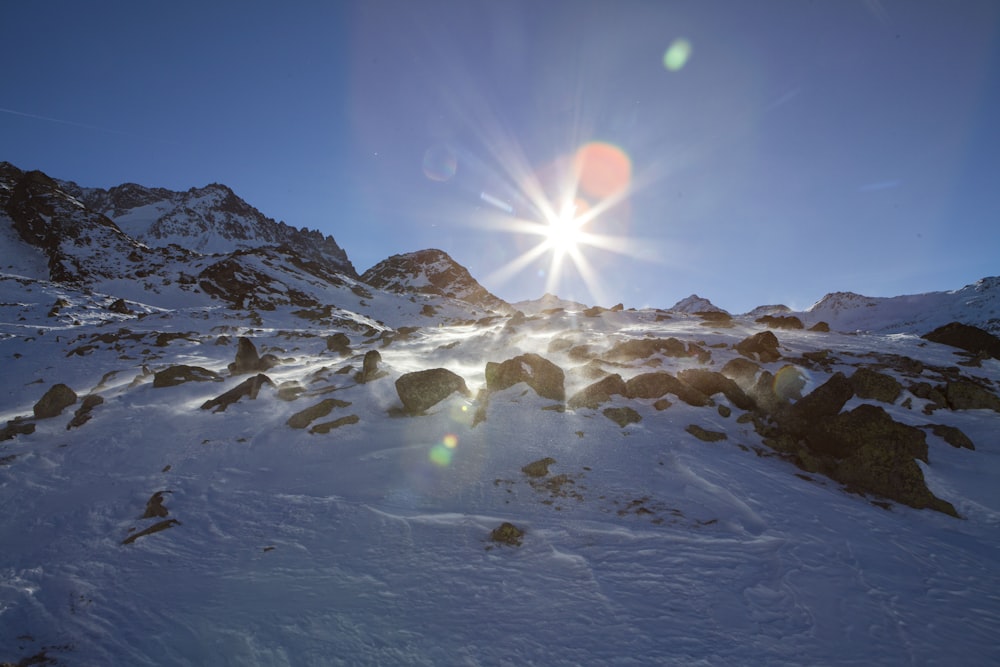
(564, 233)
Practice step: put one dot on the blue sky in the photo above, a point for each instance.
(799, 148)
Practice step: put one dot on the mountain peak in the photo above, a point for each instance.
(696, 304)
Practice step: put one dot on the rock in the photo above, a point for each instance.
(965, 395)
(326, 427)
(872, 384)
(82, 414)
(622, 416)
(710, 383)
(155, 528)
(966, 337)
(537, 372)
(840, 436)
(175, 375)
(339, 343)
(423, 389)
(930, 393)
(633, 349)
(826, 400)
(705, 435)
(16, 427)
(952, 435)
(154, 506)
(660, 383)
(820, 327)
(369, 367)
(662, 404)
(54, 401)
(538, 468)
(742, 371)
(780, 321)
(761, 347)
(302, 418)
(247, 359)
(507, 533)
(290, 390)
(119, 306)
(249, 387)
(599, 392)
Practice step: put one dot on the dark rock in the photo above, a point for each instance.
(820, 327)
(369, 367)
(826, 400)
(742, 371)
(622, 416)
(247, 359)
(290, 390)
(54, 401)
(423, 389)
(16, 427)
(249, 388)
(339, 343)
(761, 347)
(662, 404)
(840, 436)
(780, 321)
(326, 427)
(965, 395)
(539, 468)
(119, 306)
(155, 528)
(710, 383)
(930, 393)
(82, 414)
(952, 435)
(633, 349)
(966, 337)
(507, 533)
(872, 384)
(705, 435)
(599, 392)
(303, 418)
(155, 507)
(660, 383)
(537, 372)
(176, 375)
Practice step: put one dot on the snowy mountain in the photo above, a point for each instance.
(977, 304)
(548, 302)
(207, 220)
(258, 458)
(696, 304)
(431, 272)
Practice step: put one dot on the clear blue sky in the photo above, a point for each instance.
(801, 146)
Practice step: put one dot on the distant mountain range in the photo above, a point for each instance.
(168, 249)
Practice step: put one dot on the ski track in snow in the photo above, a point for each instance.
(354, 549)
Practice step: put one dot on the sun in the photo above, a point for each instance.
(564, 233)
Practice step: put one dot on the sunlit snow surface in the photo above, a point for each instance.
(358, 547)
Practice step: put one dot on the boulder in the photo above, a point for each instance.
(537, 372)
(710, 383)
(539, 468)
(872, 384)
(622, 416)
(641, 348)
(54, 401)
(820, 327)
(326, 427)
(507, 533)
(952, 435)
(761, 347)
(16, 427)
(303, 418)
(247, 359)
(780, 321)
(599, 392)
(423, 389)
(660, 383)
(82, 414)
(249, 388)
(842, 435)
(180, 374)
(742, 371)
(369, 367)
(965, 395)
(704, 434)
(339, 343)
(826, 400)
(966, 337)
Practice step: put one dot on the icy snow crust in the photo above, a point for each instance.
(355, 548)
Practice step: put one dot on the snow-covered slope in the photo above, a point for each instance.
(312, 521)
(548, 302)
(977, 304)
(696, 304)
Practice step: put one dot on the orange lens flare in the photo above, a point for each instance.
(603, 170)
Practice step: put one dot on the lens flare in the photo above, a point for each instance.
(450, 441)
(789, 382)
(603, 170)
(441, 455)
(677, 55)
(440, 163)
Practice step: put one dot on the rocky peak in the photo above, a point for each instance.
(696, 304)
(431, 272)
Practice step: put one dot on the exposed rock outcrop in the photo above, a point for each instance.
(180, 374)
(547, 379)
(249, 388)
(597, 393)
(54, 401)
(421, 390)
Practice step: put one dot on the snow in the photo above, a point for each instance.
(355, 547)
